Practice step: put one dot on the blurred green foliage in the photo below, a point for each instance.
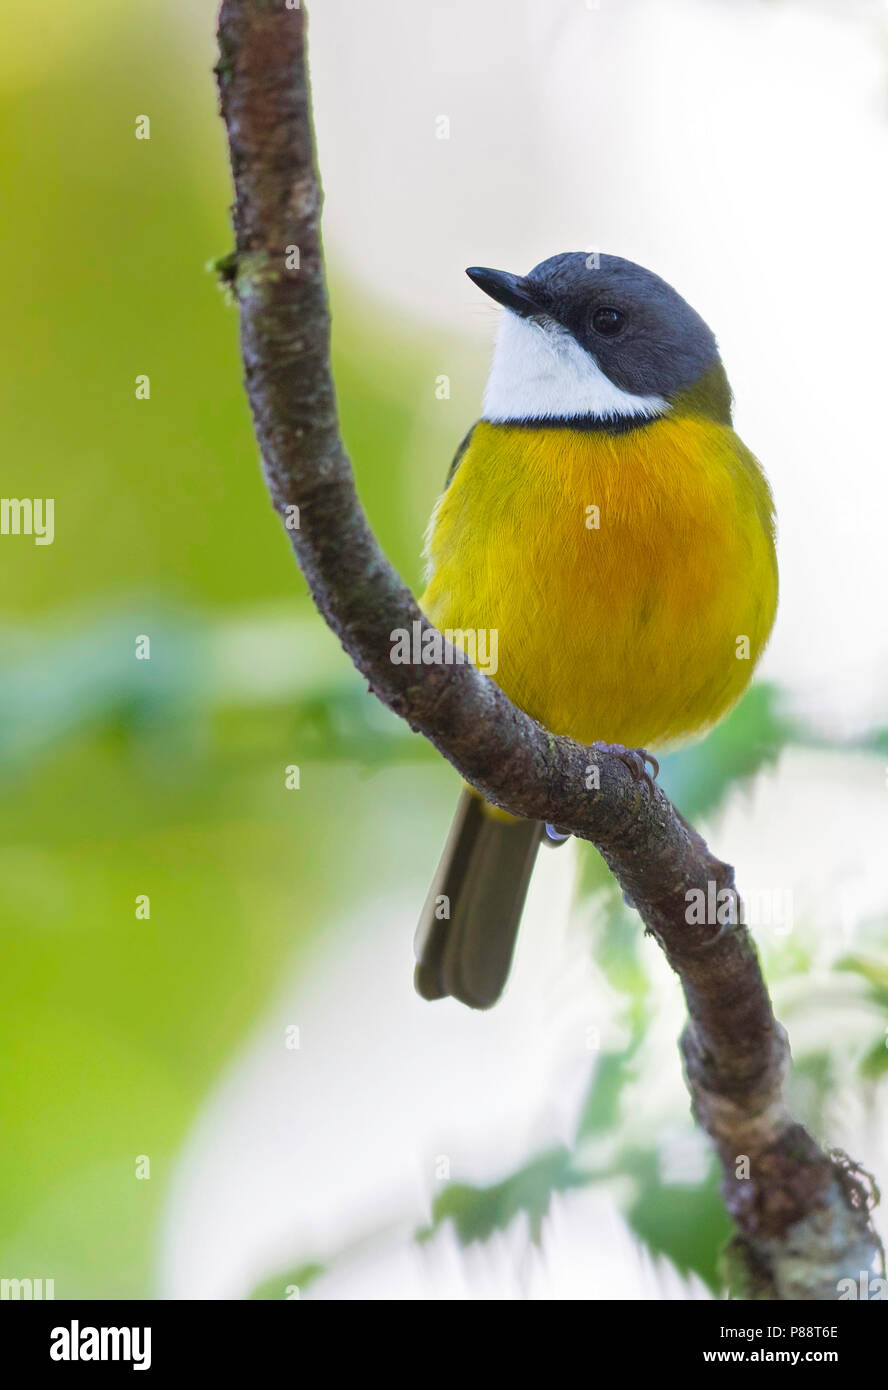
(477, 1212)
(875, 973)
(166, 776)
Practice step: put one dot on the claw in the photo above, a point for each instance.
(554, 838)
(637, 760)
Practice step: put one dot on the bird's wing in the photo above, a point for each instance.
(458, 456)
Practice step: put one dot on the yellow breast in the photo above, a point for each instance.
(630, 578)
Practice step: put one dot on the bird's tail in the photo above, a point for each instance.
(466, 935)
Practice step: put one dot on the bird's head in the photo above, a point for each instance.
(596, 337)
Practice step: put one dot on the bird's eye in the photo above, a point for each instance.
(607, 321)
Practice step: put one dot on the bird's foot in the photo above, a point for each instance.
(637, 760)
(554, 838)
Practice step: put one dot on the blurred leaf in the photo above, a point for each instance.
(79, 673)
(874, 1065)
(83, 671)
(276, 1288)
(698, 777)
(477, 1212)
(601, 1111)
(687, 1224)
(810, 1083)
(875, 972)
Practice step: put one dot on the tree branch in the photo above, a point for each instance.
(801, 1214)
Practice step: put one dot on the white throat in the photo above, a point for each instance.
(540, 372)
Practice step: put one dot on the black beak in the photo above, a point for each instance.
(511, 291)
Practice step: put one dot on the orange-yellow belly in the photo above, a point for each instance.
(630, 579)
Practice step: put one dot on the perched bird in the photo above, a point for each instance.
(605, 522)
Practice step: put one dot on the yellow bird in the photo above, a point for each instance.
(606, 541)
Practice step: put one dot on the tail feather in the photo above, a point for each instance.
(466, 935)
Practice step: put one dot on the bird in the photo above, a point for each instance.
(613, 536)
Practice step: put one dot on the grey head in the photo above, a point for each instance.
(626, 322)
